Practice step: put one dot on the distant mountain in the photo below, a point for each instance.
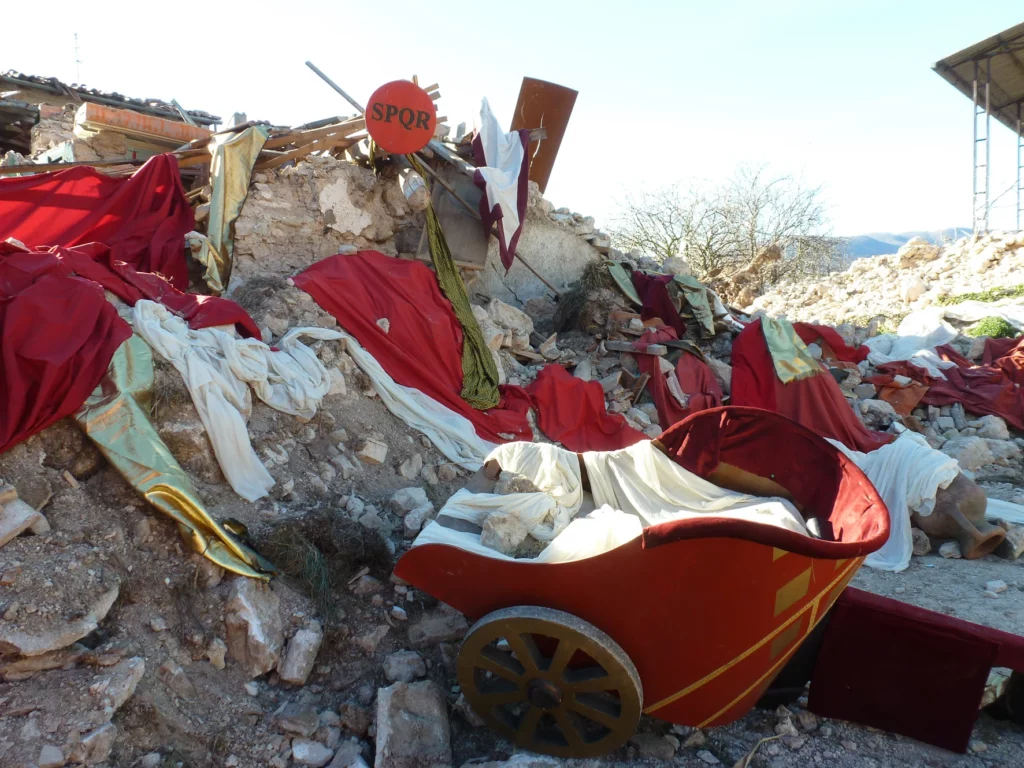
(879, 243)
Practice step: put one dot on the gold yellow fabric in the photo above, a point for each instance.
(114, 417)
(789, 353)
(233, 157)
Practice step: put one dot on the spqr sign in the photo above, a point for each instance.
(401, 117)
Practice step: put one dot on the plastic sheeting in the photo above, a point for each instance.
(218, 368)
(907, 474)
(142, 219)
(503, 175)
(631, 489)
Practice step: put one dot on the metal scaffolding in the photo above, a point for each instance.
(991, 74)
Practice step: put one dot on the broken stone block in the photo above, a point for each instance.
(508, 317)
(878, 414)
(549, 349)
(442, 625)
(504, 531)
(971, 453)
(414, 521)
(722, 372)
(16, 517)
(407, 499)
(253, 623)
(945, 423)
(297, 719)
(951, 550)
(299, 657)
(312, 753)
(366, 586)
(215, 652)
(410, 468)
(348, 756)
(369, 641)
(1003, 451)
(95, 746)
(50, 757)
(412, 727)
(174, 677)
(373, 522)
(338, 386)
(1013, 545)
(922, 544)
(993, 428)
(373, 451)
(652, 746)
(404, 667)
(641, 418)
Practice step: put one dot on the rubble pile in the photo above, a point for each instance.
(121, 646)
(920, 275)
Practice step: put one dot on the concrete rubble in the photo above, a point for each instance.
(120, 646)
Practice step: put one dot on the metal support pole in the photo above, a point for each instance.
(1020, 165)
(980, 194)
(988, 132)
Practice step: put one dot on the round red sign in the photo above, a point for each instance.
(401, 117)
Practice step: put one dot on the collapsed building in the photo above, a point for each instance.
(474, 408)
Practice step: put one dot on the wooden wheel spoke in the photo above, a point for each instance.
(561, 657)
(594, 709)
(498, 663)
(526, 650)
(526, 731)
(568, 728)
(493, 699)
(592, 680)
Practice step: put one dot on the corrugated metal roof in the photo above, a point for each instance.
(77, 92)
(1005, 51)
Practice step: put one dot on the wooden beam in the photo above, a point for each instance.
(301, 138)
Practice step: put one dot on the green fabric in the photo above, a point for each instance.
(479, 371)
(696, 296)
(233, 156)
(790, 355)
(622, 280)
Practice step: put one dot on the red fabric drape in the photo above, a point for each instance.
(992, 388)
(423, 347)
(695, 379)
(94, 261)
(810, 333)
(143, 219)
(904, 669)
(572, 411)
(816, 402)
(653, 293)
(57, 336)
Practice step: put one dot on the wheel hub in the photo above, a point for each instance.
(544, 693)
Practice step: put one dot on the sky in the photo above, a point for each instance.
(838, 94)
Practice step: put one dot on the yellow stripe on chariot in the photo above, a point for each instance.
(756, 647)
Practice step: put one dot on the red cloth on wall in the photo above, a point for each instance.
(695, 379)
(572, 411)
(423, 347)
(57, 336)
(143, 219)
(904, 669)
(992, 388)
(816, 402)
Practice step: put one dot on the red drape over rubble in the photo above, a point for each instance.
(815, 334)
(572, 411)
(423, 346)
(816, 402)
(992, 388)
(653, 293)
(143, 219)
(695, 379)
(57, 336)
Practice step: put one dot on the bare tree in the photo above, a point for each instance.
(721, 228)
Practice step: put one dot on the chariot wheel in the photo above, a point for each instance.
(549, 682)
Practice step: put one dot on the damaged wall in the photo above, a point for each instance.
(298, 215)
(553, 243)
